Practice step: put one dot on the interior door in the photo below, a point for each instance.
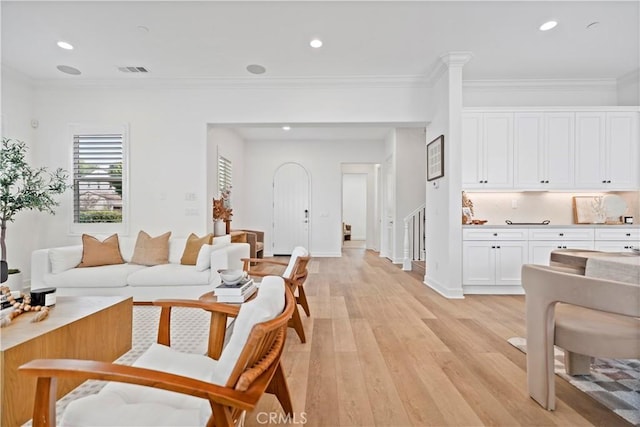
(291, 213)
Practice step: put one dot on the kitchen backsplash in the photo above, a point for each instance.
(538, 206)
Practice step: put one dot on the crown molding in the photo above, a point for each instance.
(456, 59)
(537, 84)
(145, 82)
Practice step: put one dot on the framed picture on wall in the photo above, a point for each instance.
(435, 158)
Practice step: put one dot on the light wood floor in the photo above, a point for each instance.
(383, 349)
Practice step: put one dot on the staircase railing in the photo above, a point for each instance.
(414, 237)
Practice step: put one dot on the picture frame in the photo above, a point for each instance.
(435, 158)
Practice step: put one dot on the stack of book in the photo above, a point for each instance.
(236, 293)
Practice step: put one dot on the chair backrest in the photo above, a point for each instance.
(297, 252)
(258, 335)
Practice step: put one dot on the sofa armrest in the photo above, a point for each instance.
(40, 265)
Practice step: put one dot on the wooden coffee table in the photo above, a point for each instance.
(93, 328)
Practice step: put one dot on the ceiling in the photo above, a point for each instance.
(217, 40)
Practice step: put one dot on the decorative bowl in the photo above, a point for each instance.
(231, 277)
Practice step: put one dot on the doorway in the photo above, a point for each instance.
(354, 210)
(291, 208)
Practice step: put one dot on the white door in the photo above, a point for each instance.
(478, 263)
(528, 148)
(590, 150)
(509, 258)
(498, 150)
(291, 208)
(622, 150)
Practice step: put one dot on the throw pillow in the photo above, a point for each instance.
(96, 253)
(204, 258)
(151, 250)
(192, 248)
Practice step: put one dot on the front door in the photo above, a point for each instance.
(291, 214)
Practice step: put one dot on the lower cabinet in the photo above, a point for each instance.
(540, 251)
(493, 262)
(619, 240)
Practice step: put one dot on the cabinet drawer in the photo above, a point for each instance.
(494, 234)
(618, 234)
(561, 234)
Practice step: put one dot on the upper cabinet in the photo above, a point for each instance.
(607, 150)
(487, 150)
(550, 149)
(544, 150)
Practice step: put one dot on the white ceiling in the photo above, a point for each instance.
(216, 40)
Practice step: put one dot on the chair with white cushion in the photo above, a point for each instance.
(295, 274)
(165, 387)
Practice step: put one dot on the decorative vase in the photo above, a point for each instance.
(219, 228)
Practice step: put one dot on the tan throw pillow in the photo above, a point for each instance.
(192, 248)
(151, 250)
(96, 253)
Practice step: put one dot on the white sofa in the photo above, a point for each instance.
(55, 267)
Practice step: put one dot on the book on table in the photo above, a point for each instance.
(240, 297)
(234, 289)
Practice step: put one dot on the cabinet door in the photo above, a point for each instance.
(590, 150)
(471, 150)
(615, 246)
(622, 150)
(559, 150)
(528, 149)
(509, 258)
(498, 150)
(478, 263)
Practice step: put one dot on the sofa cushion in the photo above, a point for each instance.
(169, 275)
(204, 258)
(96, 253)
(192, 248)
(106, 276)
(64, 258)
(151, 250)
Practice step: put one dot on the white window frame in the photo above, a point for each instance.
(121, 228)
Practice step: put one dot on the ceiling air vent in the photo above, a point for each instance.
(133, 69)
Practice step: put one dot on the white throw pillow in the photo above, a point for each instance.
(203, 261)
(65, 258)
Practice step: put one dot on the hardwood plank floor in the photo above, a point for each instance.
(383, 349)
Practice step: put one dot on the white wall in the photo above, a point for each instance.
(629, 89)
(354, 204)
(323, 160)
(16, 113)
(539, 93)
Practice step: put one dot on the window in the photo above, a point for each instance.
(224, 174)
(99, 179)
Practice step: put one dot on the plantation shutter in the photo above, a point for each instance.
(224, 174)
(97, 178)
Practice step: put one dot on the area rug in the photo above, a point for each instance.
(189, 333)
(613, 382)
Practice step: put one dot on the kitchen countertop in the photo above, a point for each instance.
(506, 226)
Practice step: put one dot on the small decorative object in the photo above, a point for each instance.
(435, 158)
(222, 213)
(627, 219)
(597, 209)
(24, 188)
(467, 209)
(22, 307)
(45, 297)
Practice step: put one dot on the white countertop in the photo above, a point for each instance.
(489, 225)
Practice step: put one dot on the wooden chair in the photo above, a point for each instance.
(169, 388)
(295, 274)
(597, 318)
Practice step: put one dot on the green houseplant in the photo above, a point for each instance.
(23, 187)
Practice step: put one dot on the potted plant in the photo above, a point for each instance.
(222, 213)
(23, 187)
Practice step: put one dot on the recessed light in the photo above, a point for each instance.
(286, 127)
(65, 45)
(256, 69)
(548, 25)
(315, 43)
(69, 70)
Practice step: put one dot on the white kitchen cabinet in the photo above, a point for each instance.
(607, 150)
(493, 256)
(544, 150)
(487, 150)
(617, 239)
(543, 241)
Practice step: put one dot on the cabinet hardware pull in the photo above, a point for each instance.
(498, 247)
(493, 247)
(561, 234)
(542, 181)
(628, 234)
(546, 182)
(608, 181)
(495, 234)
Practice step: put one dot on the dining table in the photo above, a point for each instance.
(618, 266)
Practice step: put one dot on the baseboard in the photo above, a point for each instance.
(326, 254)
(442, 290)
(493, 290)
